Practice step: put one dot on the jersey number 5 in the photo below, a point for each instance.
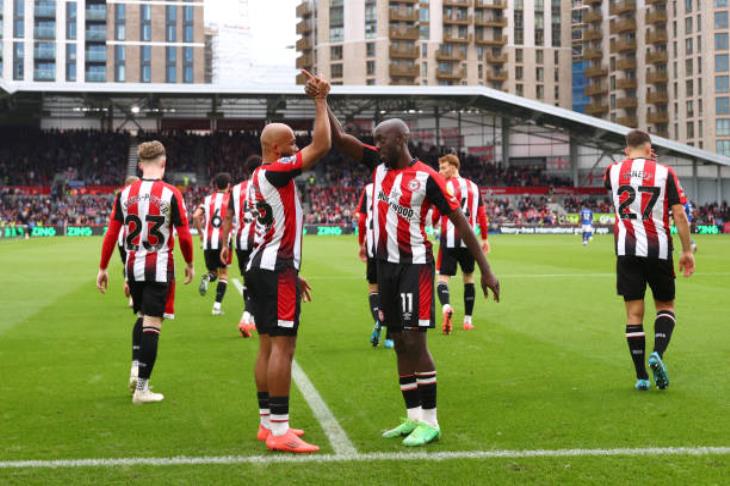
(624, 210)
(154, 232)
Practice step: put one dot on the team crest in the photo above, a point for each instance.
(414, 185)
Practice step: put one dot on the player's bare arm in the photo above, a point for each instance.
(321, 135)
(488, 279)
(687, 259)
(198, 216)
(306, 290)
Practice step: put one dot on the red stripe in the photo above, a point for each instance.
(170, 301)
(286, 294)
(438, 258)
(208, 217)
(425, 293)
(132, 209)
(287, 195)
(405, 245)
(624, 177)
(150, 263)
(386, 185)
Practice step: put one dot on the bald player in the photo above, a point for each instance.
(272, 275)
(404, 191)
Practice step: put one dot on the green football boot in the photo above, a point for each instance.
(422, 435)
(406, 427)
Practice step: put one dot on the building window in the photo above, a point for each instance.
(690, 108)
(370, 48)
(722, 128)
(71, 20)
(519, 89)
(540, 92)
(518, 72)
(188, 58)
(539, 57)
(19, 19)
(518, 55)
(18, 61)
(70, 62)
(171, 64)
(146, 64)
(120, 24)
(540, 74)
(371, 19)
(721, 42)
(370, 68)
(721, 20)
(336, 53)
(722, 84)
(370, 81)
(146, 27)
(688, 88)
(337, 20)
(555, 24)
(188, 21)
(336, 70)
(519, 17)
(120, 58)
(44, 71)
(722, 63)
(722, 105)
(688, 46)
(723, 147)
(171, 23)
(96, 73)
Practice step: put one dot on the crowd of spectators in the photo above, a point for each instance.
(712, 214)
(45, 210)
(595, 204)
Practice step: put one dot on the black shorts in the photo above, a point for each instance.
(154, 299)
(634, 273)
(243, 256)
(213, 260)
(371, 270)
(449, 257)
(275, 300)
(406, 295)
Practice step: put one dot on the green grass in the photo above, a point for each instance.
(547, 368)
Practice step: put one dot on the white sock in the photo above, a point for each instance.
(216, 305)
(429, 416)
(279, 424)
(445, 308)
(135, 368)
(143, 384)
(467, 319)
(264, 414)
(246, 318)
(415, 413)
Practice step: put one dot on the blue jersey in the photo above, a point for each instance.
(689, 209)
(586, 216)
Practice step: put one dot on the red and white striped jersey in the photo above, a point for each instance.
(148, 211)
(275, 205)
(365, 207)
(215, 207)
(245, 229)
(403, 198)
(643, 191)
(470, 200)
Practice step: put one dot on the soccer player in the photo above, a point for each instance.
(240, 217)
(644, 192)
(404, 190)
(367, 255)
(689, 211)
(452, 249)
(149, 210)
(586, 221)
(212, 212)
(123, 255)
(272, 275)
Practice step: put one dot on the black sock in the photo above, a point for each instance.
(469, 294)
(663, 327)
(427, 389)
(212, 276)
(443, 291)
(263, 399)
(220, 290)
(637, 342)
(374, 300)
(409, 389)
(279, 407)
(136, 339)
(148, 351)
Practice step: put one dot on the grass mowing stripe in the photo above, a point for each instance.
(373, 456)
(331, 427)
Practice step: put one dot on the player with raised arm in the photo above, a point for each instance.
(272, 276)
(367, 255)
(404, 191)
(208, 219)
(149, 210)
(644, 192)
(452, 248)
(586, 223)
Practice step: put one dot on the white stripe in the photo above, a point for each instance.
(391, 222)
(368, 457)
(333, 430)
(669, 316)
(286, 324)
(215, 237)
(635, 334)
(369, 219)
(299, 225)
(450, 229)
(660, 180)
(273, 198)
(206, 212)
(377, 187)
(621, 235)
(143, 209)
(642, 242)
(424, 322)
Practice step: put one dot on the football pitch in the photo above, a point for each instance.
(541, 391)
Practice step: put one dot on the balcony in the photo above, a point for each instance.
(96, 56)
(403, 15)
(304, 44)
(655, 2)
(593, 17)
(44, 32)
(45, 10)
(458, 3)
(448, 37)
(496, 59)
(95, 76)
(658, 117)
(95, 35)
(595, 109)
(499, 77)
(491, 4)
(591, 54)
(626, 64)
(657, 98)
(404, 70)
(410, 2)
(497, 23)
(623, 45)
(458, 19)
(404, 33)
(496, 42)
(625, 7)
(304, 27)
(404, 51)
(596, 89)
(596, 72)
(657, 77)
(592, 35)
(452, 74)
(657, 57)
(44, 74)
(306, 61)
(450, 55)
(97, 14)
(592, 2)
(656, 17)
(623, 26)
(44, 53)
(304, 9)
(627, 103)
(628, 121)
(626, 83)
(656, 37)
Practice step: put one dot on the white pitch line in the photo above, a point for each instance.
(367, 457)
(341, 444)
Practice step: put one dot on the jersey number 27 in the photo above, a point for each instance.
(624, 209)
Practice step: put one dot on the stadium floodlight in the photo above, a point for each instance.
(135, 109)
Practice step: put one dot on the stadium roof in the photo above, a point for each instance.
(586, 130)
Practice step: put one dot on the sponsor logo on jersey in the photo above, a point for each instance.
(400, 210)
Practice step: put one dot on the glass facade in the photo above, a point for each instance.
(171, 64)
(145, 58)
(70, 62)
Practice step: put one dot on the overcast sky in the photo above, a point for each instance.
(273, 27)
